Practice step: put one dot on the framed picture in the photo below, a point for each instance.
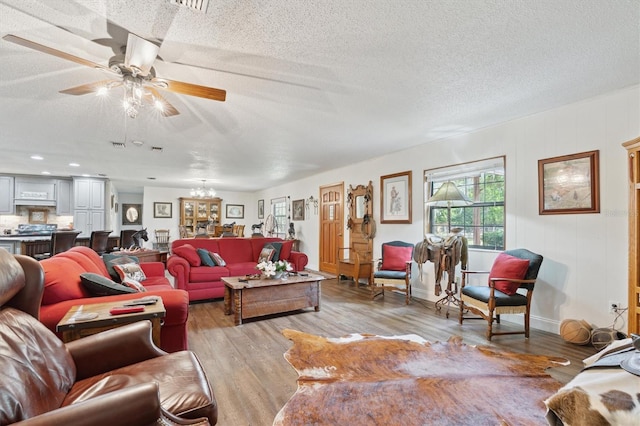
(38, 216)
(235, 211)
(162, 210)
(132, 214)
(395, 198)
(298, 209)
(260, 209)
(569, 184)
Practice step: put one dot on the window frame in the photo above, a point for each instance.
(279, 205)
(467, 216)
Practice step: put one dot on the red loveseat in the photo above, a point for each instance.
(240, 255)
(63, 289)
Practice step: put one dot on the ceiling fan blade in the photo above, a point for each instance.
(91, 87)
(190, 89)
(51, 51)
(140, 54)
(168, 110)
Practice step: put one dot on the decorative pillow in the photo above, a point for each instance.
(285, 251)
(205, 258)
(97, 285)
(266, 254)
(189, 253)
(128, 282)
(394, 258)
(130, 270)
(117, 259)
(217, 259)
(277, 247)
(506, 266)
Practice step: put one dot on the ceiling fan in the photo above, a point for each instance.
(134, 71)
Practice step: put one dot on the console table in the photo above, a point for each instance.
(147, 255)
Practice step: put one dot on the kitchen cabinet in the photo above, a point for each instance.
(64, 197)
(199, 212)
(88, 205)
(6, 195)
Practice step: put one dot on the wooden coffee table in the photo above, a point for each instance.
(73, 329)
(256, 298)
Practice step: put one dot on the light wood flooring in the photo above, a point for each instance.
(252, 380)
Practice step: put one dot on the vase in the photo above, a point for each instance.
(278, 275)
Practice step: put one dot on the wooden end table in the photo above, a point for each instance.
(73, 329)
(256, 298)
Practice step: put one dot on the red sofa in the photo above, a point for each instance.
(63, 289)
(241, 257)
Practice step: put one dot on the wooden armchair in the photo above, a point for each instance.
(393, 270)
(512, 270)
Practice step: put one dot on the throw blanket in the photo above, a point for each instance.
(404, 380)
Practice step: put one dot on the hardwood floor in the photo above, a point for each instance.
(252, 380)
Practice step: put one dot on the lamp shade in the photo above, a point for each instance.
(448, 195)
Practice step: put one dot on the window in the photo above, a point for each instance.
(279, 211)
(482, 221)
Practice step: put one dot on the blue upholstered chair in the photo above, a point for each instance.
(393, 271)
(509, 290)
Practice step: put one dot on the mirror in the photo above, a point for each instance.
(360, 207)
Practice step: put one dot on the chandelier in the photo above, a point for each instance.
(203, 191)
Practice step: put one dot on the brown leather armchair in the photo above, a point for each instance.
(115, 377)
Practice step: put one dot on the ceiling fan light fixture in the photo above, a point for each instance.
(133, 92)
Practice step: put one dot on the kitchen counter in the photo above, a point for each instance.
(38, 244)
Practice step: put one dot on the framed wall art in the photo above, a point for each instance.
(569, 184)
(162, 210)
(235, 211)
(260, 209)
(132, 214)
(395, 198)
(38, 215)
(298, 209)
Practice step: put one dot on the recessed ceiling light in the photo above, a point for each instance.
(137, 142)
(74, 164)
(37, 157)
(86, 175)
(46, 173)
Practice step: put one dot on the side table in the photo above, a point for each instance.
(73, 329)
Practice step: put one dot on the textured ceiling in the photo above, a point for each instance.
(310, 85)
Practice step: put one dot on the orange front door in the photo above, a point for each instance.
(331, 224)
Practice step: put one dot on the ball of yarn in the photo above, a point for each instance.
(575, 331)
(602, 337)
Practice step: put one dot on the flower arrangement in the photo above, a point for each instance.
(272, 269)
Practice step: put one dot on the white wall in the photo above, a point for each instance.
(585, 255)
(172, 195)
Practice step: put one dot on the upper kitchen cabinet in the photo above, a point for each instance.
(6, 195)
(88, 194)
(64, 197)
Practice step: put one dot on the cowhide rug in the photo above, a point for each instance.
(405, 380)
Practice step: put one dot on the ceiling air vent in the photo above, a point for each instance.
(118, 144)
(199, 5)
(156, 149)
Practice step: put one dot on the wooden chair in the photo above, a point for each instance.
(500, 296)
(99, 241)
(238, 230)
(162, 239)
(393, 270)
(60, 241)
(125, 238)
